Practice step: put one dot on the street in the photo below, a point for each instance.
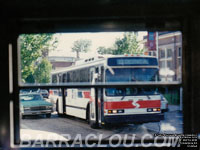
(73, 126)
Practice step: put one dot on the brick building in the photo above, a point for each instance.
(169, 53)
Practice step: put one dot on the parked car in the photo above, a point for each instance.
(23, 91)
(44, 93)
(164, 104)
(34, 104)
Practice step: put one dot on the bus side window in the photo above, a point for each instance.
(74, 93)
(91, 76)
(68, 76)
(65, 92)
(64, 78)
(60, 93)
(80, 94)
(54, 79)
(97, 70)
(102, 74)
(60, 78)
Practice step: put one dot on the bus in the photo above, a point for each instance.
(124, 105)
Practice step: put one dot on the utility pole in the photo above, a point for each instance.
(157, 47)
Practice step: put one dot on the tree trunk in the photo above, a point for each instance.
(77, 55)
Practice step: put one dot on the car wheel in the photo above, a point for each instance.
(48, 115)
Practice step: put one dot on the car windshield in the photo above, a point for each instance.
(30, 97)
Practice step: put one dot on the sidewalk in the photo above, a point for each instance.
(174, 107)
(172, 124)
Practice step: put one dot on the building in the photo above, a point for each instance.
(169, 54)
(59, 62)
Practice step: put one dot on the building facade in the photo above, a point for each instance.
(169, 53)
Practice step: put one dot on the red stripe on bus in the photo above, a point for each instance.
(129, 104)
(86, 94)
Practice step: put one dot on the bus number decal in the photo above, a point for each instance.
(134, 103)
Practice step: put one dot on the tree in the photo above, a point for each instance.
(127, 45)
(81, 46)
(102, 50)
(33, 46)
(43, 71)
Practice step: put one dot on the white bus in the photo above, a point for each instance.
(115, 105)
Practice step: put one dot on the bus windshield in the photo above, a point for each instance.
(130, 91)
(131, 74)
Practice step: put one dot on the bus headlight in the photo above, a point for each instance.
(115, 111)
(149, 109)
(120, 111)
(153, 109)
(110, 111)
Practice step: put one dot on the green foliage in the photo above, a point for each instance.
(102, 50)
(42, 72)
(126, 45)
(33, 46)
(81, 46)
(30, 79)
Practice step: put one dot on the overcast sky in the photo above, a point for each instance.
(106, 39)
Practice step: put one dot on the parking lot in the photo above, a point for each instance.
(72, 126)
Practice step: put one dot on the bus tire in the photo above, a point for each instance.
(57, 109)
(92, 124)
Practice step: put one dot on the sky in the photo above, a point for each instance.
(106, 39)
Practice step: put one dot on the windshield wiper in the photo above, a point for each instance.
(148, 97)
(111, 70)
(123, 97)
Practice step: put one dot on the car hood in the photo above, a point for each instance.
(35, 103)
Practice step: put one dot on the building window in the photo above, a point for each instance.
(179, 62)
(169, 64)
(169, 53)
(162, 53)
(179, 52)
(162, 64)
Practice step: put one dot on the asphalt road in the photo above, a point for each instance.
(73, 126)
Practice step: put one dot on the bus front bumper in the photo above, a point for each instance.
(139, 118)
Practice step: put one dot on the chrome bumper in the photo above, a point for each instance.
(38, 112)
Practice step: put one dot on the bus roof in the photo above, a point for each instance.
(96, 60)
